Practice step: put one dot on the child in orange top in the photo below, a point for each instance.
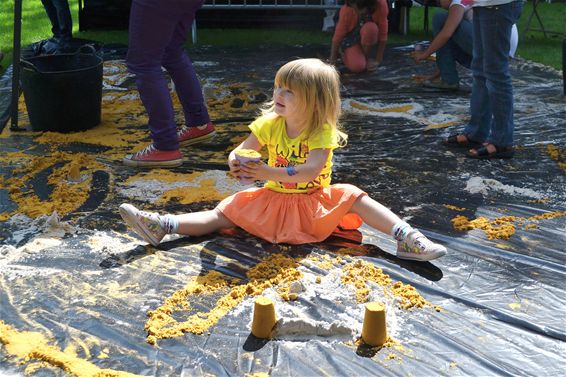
(361, 34)
(298, 204)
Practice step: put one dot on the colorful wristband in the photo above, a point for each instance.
(291, 171)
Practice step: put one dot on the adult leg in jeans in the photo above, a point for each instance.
(480, 110)
(151, 29)
(499, 85)
(492, 93)
(444, 56)
(457, 49)
(462, 40)
(181, 69)
(60, 16)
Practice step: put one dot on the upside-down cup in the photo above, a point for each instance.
(264, 317)
(246, 156)
(374, 331)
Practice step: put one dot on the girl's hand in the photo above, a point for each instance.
(235, 167)
(254, 170)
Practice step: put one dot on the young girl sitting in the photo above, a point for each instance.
(297, 204)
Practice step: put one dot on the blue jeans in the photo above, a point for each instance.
(491, 104)
(60, 17)
(157, 32)
(457, 49)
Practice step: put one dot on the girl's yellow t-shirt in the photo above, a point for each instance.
(284, 151)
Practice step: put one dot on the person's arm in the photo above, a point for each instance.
(306, 172)
(344, 21)
(334, 53)
(380, 18)
(455, 15)
(380, 50)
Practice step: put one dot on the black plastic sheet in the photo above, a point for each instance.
(503, 300)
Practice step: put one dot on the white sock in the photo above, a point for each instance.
(170, 223)
(400, 230)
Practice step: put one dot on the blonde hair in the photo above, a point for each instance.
(317, 88)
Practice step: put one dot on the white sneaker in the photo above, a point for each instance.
(417, 247)
(145, 224)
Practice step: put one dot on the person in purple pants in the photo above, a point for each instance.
(158, 30)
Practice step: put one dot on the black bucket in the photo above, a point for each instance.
(63, 92)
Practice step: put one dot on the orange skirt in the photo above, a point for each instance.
(293, 218)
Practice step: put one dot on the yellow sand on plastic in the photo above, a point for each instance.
(27, 345)
(250, 153)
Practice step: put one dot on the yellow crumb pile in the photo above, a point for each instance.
(233, 98)
(276, 270)
(501, 227)
(249, 153)
(454, 208)
(359, 273)
(557, 154)
(28, 346)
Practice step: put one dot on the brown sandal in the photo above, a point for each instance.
(452, 141)
(483, 153)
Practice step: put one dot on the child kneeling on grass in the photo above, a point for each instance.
(297, 204)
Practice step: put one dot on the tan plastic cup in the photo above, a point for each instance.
(264, 317)
(374, 330)
(245, 156)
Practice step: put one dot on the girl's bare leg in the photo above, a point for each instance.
(201, 223)
(375, 214)
(411, 244)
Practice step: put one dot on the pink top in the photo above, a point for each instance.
(348, 20)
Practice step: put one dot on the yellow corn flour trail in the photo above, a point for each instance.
(69, 191)
(501, 227)
(121, 131)
(404, 109)
(396, 109)
(454, 208)
(276, 271)
(27, 346)
(435, 126)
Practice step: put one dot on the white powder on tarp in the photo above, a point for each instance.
(205, 64)
(383, 109)
(151, 190)
(344, 323)
(48, 226)
(482, 186)
(49, 231)
(102, 242)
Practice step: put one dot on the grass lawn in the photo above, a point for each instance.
(532, 46)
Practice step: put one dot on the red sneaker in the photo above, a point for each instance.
(151, 157)
(194, 135)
